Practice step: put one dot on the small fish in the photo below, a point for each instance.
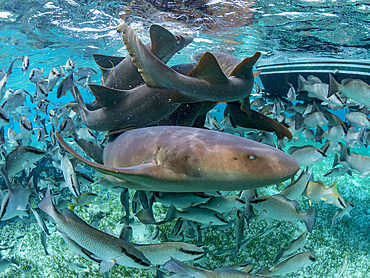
(36, 75)
(70, 65)
(355, 89)
(181, 200)
(77, 266)
(41, 92)
(280, 208)
(293, 246)
(307, 155)
(3, 81)
(41, 134)
(4, 118)
(224, 204)
(70, 176)
(66, 84)
(319, 190)
(84, 199)
(359, 119)
(16, 99)
(342, 212)
(43, 237)
(295, 189)
(15, 202)
(199, 215)
(25, 63)
(359, 163)
(179, 267)
(344, 266)
(239, 231)
(40, 220)
(67, 127)
(126, 233)
(26, 268)
(292, 94)
(293, 263)
(22, 157)
(160, 253)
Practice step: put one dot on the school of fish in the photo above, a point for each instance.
(152, 134)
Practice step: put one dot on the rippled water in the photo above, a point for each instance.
(50, 32)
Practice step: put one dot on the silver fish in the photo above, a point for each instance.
(181, 200)
(25, 63)
(355, 89)
(199, 215)
(109, 249)
(342, 212)
(36, 75)
(292, 247)
(359, 119)
(4, 118)
(40, 220)
(70, 176)
(293, 263)
(280, 208)
(295, 189)
(14, 203)
(22, 157)
(179, 267)
(3, 81)
(307, 155)
(160, 253)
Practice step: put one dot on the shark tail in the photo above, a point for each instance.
(310, 218)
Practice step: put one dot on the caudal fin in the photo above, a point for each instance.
(310, 218)
(333, 86)
(46, 204)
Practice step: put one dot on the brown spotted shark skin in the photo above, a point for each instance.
(186, 159)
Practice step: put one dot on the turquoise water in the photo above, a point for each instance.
(51, 32)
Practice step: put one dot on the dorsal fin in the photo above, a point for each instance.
(106, 61)
(107, 97)
(209, 70)
(244, 69)
(163, 42)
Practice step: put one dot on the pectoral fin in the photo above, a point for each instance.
(105, 266)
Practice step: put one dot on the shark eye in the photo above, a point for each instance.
(252, 157)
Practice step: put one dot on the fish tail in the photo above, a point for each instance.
(279, 255)
(179, 267)
(310, 218)
(301, 83)
(333, 86)
(46, 204)
(171, 213)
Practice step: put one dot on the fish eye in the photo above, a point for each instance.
(252, 157)
(312, 259)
